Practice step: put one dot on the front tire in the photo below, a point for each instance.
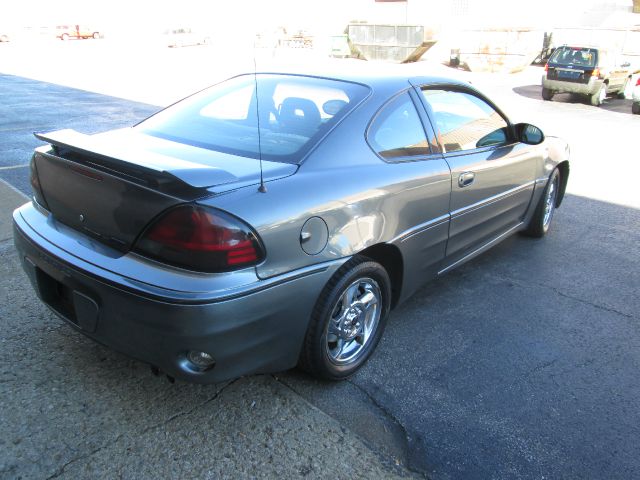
(541, 220)
(347, 320)
(622, 94)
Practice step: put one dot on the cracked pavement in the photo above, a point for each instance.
(509, 367)
(520, 364)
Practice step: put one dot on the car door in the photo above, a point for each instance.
(401, 135)
(492, 175)
(620, 70)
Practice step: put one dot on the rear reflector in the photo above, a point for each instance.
(201, 239)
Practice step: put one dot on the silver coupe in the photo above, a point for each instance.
(275, 219)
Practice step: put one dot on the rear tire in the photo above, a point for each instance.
(541, 220)
(598, 98)
(635, 108)
(347, 321)
(547, 94)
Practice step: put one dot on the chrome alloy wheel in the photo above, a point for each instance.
(550, 202)
(353, 321)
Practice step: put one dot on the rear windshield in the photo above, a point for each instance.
(294, 113)
(582, 57)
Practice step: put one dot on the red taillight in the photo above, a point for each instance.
(546, 67)
(638, 82)
(202, 239)
(596, 72)
(35, 184)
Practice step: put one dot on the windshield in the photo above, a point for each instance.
(294, 113)
(582, 57)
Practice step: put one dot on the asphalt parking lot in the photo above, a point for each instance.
(520, 364)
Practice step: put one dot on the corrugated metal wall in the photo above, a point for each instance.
(386, 42)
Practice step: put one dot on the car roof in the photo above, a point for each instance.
(374, 74)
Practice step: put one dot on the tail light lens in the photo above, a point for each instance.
(35, 184)
(596, 72)
(638, 82)
(201, 239)
(546, 67)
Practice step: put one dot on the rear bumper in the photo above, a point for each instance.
(560, 86)
(258, 328)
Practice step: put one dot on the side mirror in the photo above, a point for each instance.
(529, 134)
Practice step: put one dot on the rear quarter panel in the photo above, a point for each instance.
(361, 205)
(362, 199)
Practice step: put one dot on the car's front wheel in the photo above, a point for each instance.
(625, 93)
(347, 321)
(541, 220)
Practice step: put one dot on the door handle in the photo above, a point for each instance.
(465, 179)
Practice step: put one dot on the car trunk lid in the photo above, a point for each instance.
(110, 186)
(569, 73)
(573, 64)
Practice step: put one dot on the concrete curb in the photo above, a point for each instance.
(10, 199)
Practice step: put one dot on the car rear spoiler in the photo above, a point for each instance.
(164, 173)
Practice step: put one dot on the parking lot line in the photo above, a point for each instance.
(21, 128)
(11, 167)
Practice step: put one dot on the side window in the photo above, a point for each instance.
(464, 121)
(397, 130)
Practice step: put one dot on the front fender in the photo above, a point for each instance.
(557, 153)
